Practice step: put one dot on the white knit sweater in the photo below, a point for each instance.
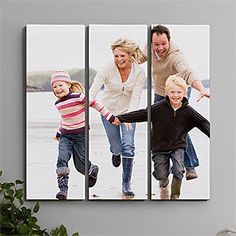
(119, 97)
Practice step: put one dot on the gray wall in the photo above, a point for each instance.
(127, 218)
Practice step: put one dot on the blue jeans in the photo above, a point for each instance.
(120, 139)
(190, 156)
(72, 144)
(162, 164)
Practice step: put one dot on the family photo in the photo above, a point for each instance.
(119, 165)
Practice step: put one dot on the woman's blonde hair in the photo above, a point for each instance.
(130, 47)
(176, 80)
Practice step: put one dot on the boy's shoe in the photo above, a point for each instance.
(116, 160)
(163, 183)
(175, 188)
(191, 174)
(164, 193)
(93, 173)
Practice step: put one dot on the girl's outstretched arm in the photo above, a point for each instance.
(102, 109)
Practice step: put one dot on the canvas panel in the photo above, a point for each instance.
(193, 41)
(49, 48)
(101, 57)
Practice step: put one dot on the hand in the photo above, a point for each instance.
(128, 126)
(116, 122)
(202, 94)
(56, 138)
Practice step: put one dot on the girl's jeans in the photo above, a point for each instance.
(121, 140)
(190, 156)
(72, 144)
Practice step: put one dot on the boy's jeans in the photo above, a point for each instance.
(190, 156)
(72, 144)
(162, 164)
(121, 140)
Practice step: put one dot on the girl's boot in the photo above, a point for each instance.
(63, 186)
(92, 175)
(127, 164)
(175, 188)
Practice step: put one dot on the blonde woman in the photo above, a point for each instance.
(123, 83)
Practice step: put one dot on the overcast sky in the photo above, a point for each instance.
(52, 47)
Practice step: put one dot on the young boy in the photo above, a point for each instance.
(171, 119)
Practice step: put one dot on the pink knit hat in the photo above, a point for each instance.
(60, 75)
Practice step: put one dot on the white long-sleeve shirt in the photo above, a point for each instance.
(119, 97)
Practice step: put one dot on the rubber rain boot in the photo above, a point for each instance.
(127, 164)
(63, 186)
(175, 188)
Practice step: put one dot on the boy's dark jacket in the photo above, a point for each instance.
(169, 127)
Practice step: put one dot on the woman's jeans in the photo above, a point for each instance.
(121, 140)
(190, 156)
(72, 144)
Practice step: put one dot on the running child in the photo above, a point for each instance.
(71, 135)
(171, 120)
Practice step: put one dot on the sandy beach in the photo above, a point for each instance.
(109, 182)
(43, 122)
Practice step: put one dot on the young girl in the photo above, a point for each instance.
(71, 135)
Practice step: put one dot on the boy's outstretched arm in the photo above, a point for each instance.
(134, 116)
(202, 123)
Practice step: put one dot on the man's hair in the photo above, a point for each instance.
(176, 80)
(160, 29)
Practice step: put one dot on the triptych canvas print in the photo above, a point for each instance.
(117, 112)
